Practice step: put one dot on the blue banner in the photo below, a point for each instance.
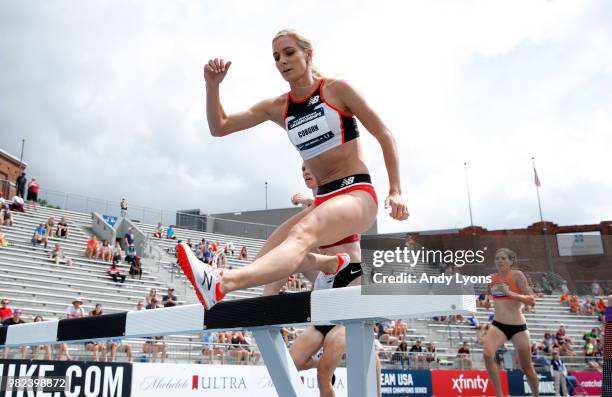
(518, 386)
(405, 383)
(111, 220)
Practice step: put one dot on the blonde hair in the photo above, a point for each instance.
(303, 42)
(509, 253)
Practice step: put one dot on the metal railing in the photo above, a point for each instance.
(149, 215)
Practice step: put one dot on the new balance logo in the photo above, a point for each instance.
(207, 282)
(347, 181)
(313, 100)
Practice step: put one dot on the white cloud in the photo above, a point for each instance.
(112, 97)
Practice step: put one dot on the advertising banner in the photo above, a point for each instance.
(404, 383)
(186, 380)
(587, 382)
(453, 383)
(517, 382)
(68, 378)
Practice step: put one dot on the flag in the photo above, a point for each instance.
(536, 178)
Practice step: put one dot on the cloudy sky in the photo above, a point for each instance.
(109, 97)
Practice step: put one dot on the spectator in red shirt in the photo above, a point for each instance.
(33, 189)
(5, 310)
(115, 273)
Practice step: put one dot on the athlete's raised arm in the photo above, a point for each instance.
(373, 123)
(219, 122)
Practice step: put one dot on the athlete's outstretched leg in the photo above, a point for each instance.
(277, 237)
(333, 220)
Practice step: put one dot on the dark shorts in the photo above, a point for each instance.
(508, 329)
(33, 196)
(342, 279)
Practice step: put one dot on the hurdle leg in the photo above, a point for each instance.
(360, 359)
(280, 365)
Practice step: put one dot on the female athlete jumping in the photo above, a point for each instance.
(320, 117)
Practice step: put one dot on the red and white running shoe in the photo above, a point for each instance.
(326, 280)
(206, 280)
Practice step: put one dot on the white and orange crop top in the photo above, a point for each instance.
(314, 126)
(496, 286)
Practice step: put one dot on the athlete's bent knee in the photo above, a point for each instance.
(302, 234)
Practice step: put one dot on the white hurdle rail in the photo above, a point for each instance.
(263, 316)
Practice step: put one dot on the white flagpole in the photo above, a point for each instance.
(467, 186)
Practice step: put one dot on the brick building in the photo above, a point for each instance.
(9, 171)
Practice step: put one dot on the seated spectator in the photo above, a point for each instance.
(464, 356)
(97, 348)
(50, 225)
(140, 305)
(169, 299)
(37, 348)
(592, 334)
(152, 300)
(62, 229)
(105, 252)
(130, 254)
(76, 309)
(17, 204)
(92, 247)
(57, 255)
(14, 320)
(115, 345)
(210, 349)
(208, 254)
(547, 343)
(564, 298)
(136, 268)
(3, 241)
(244, 255)
(400, 356)
(288, 334)
(291, 285)
(574, 306)
(562, 332)
(116, 252)
(431, 355)
(229, 248)
(237, 351)
(159, 231)
(96, 311)
(154, 346)
(115, 273)
(537, 358)
(416, 354)
(170, 233)
(590, 352)
(6, 215)
(5, 310)
(40, 235)
(481, 300)
(565, 347)
(385, 333)
(247, 343)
